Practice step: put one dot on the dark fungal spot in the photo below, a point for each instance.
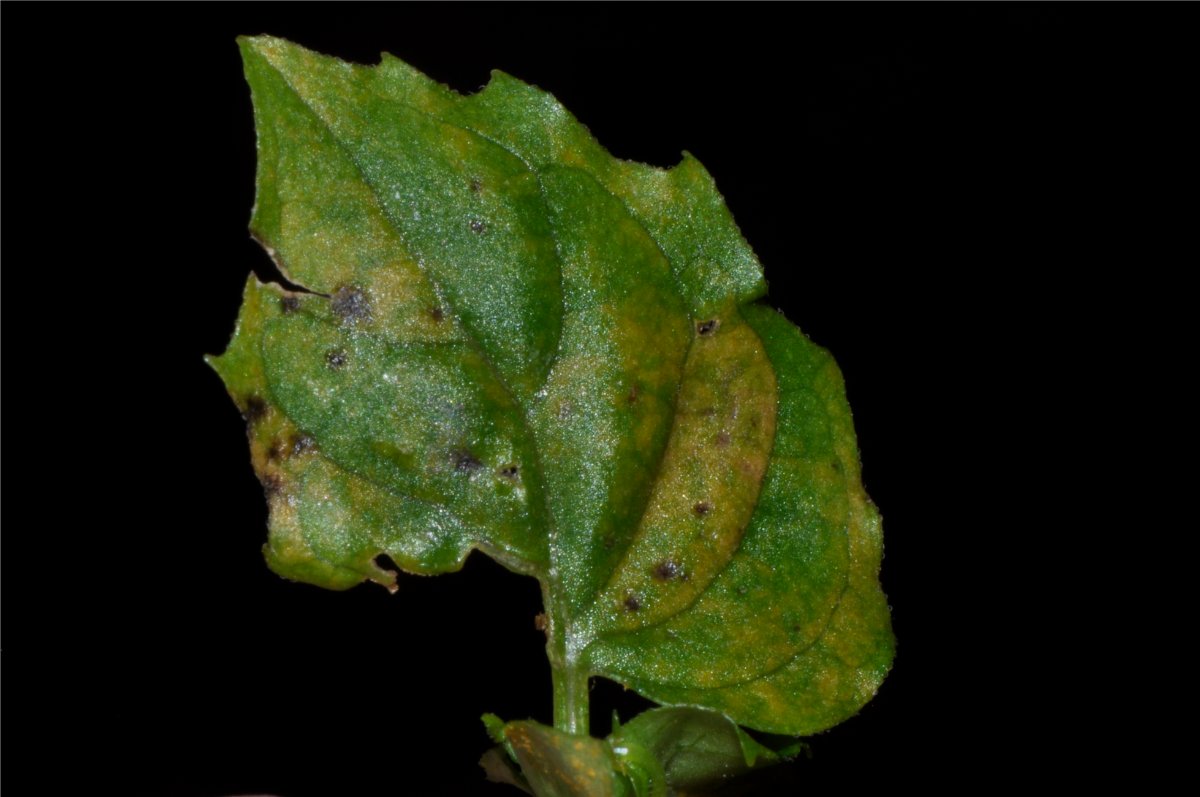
(301, 443)
(633, 395)
(478, 226)
(509, 472)
(437, 314)
(742, 590)
(350, 305)
(289, 305)
(632, 604)
(465, 461)
(256, 408)
(272, 484)
(335, 359)
(476, 185)
(666, 570)
(723, 439)
(707, 327)
(702, 508)
(275, 451)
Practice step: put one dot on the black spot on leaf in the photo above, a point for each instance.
(335, 359)
(350, 305)
(289, 305)
(272, 484)
(666, 570)
(478, 226)
(702, 508)
(301, 443)
(256, 408)
(437, 314)
(707, 327)
(476, 185)
(632, 604)
(509, 472)
(723, 439)
(465, 461)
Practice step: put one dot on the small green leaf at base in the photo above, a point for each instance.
(654, 754)
(697, 748)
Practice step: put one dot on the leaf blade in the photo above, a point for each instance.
(522, 345)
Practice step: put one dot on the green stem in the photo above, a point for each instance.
(570, 699)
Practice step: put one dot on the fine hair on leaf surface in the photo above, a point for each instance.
(510, 341)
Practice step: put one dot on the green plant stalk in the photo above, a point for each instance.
(570, 698)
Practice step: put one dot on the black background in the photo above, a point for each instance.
(931, 191)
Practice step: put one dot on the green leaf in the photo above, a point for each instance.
(508, 340)
(558, 764)
(692, 747)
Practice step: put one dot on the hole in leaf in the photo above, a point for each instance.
(385, 562)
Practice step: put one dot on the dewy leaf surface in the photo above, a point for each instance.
(518, 343)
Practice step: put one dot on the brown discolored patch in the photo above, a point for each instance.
(301, 443)
(275, 451)
(540, 622)
(509, 472)
(722, 439)
(666, 570)
(632, 604)
(289, 305)
(272, 484)
(702, 508)
(256, 408)
(478, 226)
(335, 359)
(437, 314)
(633, 395)
(350, 305)
(476, 185)
(465, 461)
(707, 327)
(836, 465)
